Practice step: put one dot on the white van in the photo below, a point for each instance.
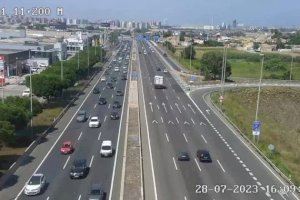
(26, 93)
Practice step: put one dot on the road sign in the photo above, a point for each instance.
(256, 128)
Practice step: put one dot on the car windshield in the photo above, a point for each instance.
(66, 145)
(95, 191)
(35, 180)
(81, 113)
(94, 120)
(106, 147)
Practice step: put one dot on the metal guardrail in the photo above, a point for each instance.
(253, 146)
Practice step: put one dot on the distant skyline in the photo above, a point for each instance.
(280, 13)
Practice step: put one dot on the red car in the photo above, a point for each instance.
(67, 148)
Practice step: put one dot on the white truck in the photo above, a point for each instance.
(159, 82)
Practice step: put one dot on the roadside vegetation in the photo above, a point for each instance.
(279, 112)
(15, 130)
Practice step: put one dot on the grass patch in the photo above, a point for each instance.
(279, 112)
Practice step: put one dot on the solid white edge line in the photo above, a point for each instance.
(149, 142)
(66, 162)
(50, 150)
(117, 148)
(30, 146)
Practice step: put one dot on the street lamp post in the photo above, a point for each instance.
(30, 83)
(259, 86)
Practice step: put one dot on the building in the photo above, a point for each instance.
(12, 33)
(13, 62)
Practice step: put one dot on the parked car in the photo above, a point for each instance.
(106, 149)
(204, 156)
(109, 85)
(67, 148)
(26, 93)
(81, 116)
(97, 192)
(35, 185)
(124, 78)
(94, 122)
(103, 78)
(183, 156)
(119, 93)
(79, 168)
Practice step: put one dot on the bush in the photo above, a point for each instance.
(24, 103)
(7, 133)
(15, 115)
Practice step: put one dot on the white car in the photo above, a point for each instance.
(165, 71)
(94, 122)
(106, 148)
(26, 93)
(117, 69)
(35, 185)
(103, 79)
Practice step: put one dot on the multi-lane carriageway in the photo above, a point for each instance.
(180, 123)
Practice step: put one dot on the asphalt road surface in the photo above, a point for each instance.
(177, 124)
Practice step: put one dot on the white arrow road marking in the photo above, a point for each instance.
(208, 111)
(170, 122)
(185, 122)
(202, 123)
(150, 103)
(164, 105)
(154, 121)
(189, 105)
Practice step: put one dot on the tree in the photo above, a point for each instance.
(189, 52)
(14, 115)
(114, 37)
(279, 44)
(256, 45)
(181, 37)
(167, 34)
(24, 103)
(276, 34)
(212, 43)
(169, 46)
(7, 133)
(211, 65)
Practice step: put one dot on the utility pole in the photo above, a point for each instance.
(30, 82)
(88, 52)
(259, 86)
(78, 58)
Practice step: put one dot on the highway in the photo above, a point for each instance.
(87, 141)
(178, 122)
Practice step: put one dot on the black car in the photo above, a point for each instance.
(113, 79)
(102, 101)
(158, 69)
(109, 85)
(81, 116)
(79, 168)
(96, 90)
(116, 104)
(204, 156)
(119, 93)
(114, 116)
(183, 156)
(97, 193)
(124, 78)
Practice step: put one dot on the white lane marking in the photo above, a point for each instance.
(171, 107)
(185, 198)
(105, 118)
(203, 138)
(154, 121)
(12, 165)
(112, 96)
(197, 164)
(99, 135)
(221, 166)
(103, 89)
(95, 106)
(202, 123)
(79, 197)
(91, 162)
(175, 163)
(150, 103)
(189, 105)
(167, 97)
(162, 120)
(178, 97)
(185, 137)
(66, 162)
(109, 106)
(184, 108)
(167, 137)
(177, 120)
(79, 136)
(193, 121)
(48, 198)
(176, 104)
(29, 146)
(154, 97)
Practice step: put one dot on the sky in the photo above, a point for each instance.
(278, 13)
